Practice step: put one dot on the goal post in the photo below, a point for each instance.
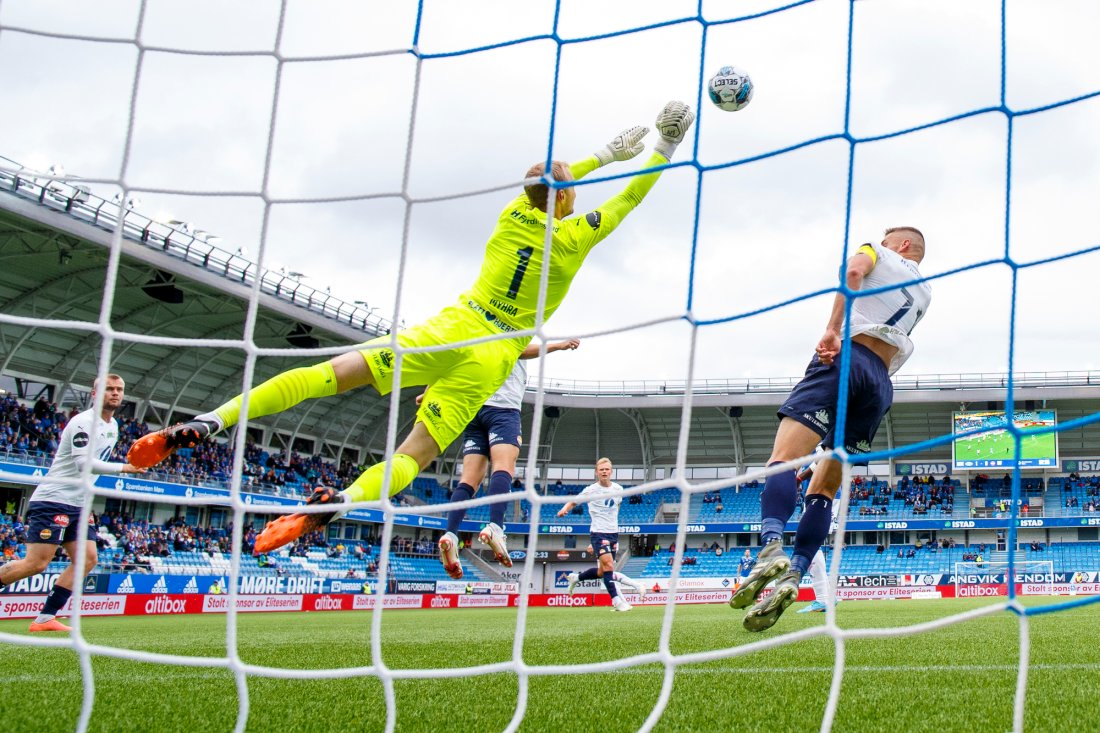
(1032, 578)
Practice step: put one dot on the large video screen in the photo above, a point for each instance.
(996, 448)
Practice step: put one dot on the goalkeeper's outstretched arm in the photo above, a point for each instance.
(623, 146)
(673, 123)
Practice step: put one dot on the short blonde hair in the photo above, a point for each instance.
(916, 240)
(539, 194)
(605, 460)
(96, 385)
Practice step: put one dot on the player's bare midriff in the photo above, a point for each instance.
(882, 349)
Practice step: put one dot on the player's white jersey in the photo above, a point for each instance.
(510, 394)
(891, 315)
(604, 510)
(72, 450)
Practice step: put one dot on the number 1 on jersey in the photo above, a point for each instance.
(521, 270)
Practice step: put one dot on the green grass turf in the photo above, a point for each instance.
(961, 678)
(1002, 446)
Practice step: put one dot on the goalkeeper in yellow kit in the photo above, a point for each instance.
(502, 301)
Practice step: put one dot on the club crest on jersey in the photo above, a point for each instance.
(61, 520)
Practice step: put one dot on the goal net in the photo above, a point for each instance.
(376, 142)
(1031, 577)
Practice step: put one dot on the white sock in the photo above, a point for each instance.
(44, 618)
(626, 580)
(212, 418)
(820, 573)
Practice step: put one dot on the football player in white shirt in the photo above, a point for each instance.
(53, 512)
(495, 435)
(603, 499)
(880, 326)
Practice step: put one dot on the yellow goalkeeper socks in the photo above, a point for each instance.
(368, 487)
(281, 392)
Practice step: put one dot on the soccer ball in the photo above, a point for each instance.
(730, 89)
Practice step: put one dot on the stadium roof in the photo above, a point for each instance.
(172, 286)
(55, 244)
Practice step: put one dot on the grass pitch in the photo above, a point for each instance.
(961, 678)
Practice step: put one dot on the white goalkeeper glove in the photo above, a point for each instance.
(673, 123)
(625, 146)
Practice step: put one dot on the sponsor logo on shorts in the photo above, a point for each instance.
(435, 409)
(45, 534)
(493, 437)
(383, 362)
(61, 520)
(822, 416)
(80, 440)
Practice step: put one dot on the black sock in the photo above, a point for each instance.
(56, 600)
(499, 483)
(462, 492)
(590, 574)
(609, 584)
(777, 503)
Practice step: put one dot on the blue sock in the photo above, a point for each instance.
(608, 583)
(813, 528)
(499, 483)
(777, 502)
(56, 600)
(590, 574)
(462, 492)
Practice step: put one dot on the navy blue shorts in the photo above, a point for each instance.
(491, 426)
(870, 393)
(604, 543)
(51, 523)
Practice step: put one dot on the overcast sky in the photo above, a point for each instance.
(769, 230)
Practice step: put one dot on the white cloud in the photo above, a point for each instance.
(769, 230)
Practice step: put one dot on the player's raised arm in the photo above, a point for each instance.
(532, 349)
(673, 123)
(623, 146)
(859, 266)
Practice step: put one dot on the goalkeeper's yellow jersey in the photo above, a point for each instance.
(507, 289)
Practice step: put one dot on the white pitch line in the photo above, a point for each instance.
(648, 669)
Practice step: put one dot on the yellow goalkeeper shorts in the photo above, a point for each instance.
(459, 380)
